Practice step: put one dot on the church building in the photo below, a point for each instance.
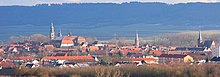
(64, 41)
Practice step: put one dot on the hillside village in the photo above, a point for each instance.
(76, 52)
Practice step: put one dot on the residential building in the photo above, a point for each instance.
(175, 58)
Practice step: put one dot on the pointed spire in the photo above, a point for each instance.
(60, 34)
(200, 42)
(137, 40)
(200, 35)
(51, 24)
(69, 34)
(52, 31)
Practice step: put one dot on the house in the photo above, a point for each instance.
(197, 49)
(49, 47)
(200, 56)
(146, 60)
(93, 48)
(155, 52)
(57, 41)
(79, 40)
(175, 58)
(83, 48)
(99, 43)
(84, 44)
(193, 49)
(14, 50)
(209, 44)
(64, 64)
(176, 52)
(172, 48)
(181, 49)
(129, 49)
(80, 65)
(70, 58)
(216, 52)
(215, 60)
(65, 49)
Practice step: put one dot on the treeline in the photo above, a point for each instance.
(176, 70)
(35, 37)
(187, 39)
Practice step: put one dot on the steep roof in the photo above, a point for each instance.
(196, 49)
(155, 52)
(208, 43)
(215, 59)
(200, 56)
(68, 39)
(58, 38)
(145, 59)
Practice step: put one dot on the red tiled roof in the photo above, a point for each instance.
(125, 51)
(156, 52)
(145, 59)
(69, 57)
(68, 39)
(13, 45)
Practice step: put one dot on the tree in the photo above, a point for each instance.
(35, 37)
(16, 39)
(39, 38)
(120, 53)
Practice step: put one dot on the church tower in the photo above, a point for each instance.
(60, 34)
(52, 32)
(69, 34)
(137, 40)
(199, 40)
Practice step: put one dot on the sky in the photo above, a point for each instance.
(34, 2)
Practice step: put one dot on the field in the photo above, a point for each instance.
(161, 70)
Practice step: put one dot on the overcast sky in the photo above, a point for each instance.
(33, 2)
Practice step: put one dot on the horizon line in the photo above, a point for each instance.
(49, 4)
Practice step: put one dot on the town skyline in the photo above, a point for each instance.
(73, 38)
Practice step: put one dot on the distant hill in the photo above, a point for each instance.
(91, 14)
(108, 20)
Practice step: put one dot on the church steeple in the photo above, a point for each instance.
(52, 32)
(60, 34)
(199, 40)
(137, 40)
(69, 34)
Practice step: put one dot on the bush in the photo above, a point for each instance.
(160, 70)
